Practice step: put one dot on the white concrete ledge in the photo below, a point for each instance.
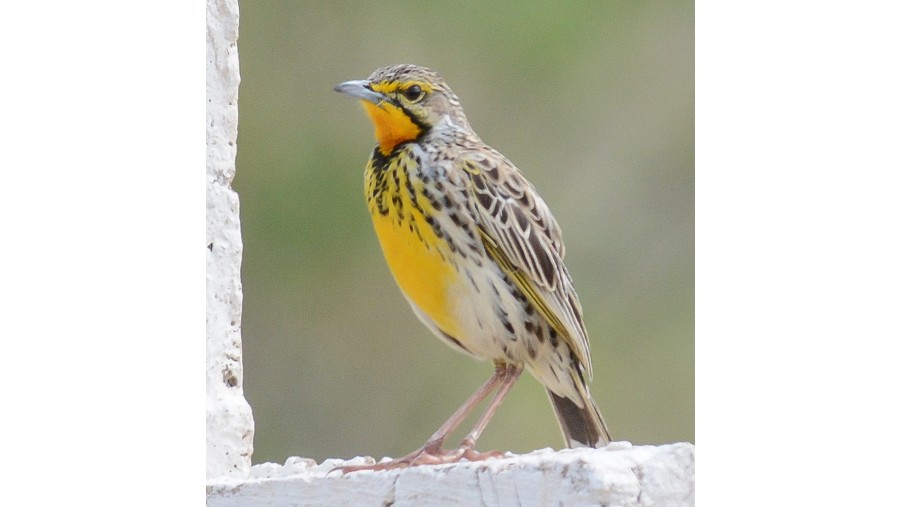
(619, 475)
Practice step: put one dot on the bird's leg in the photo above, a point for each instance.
(432, 452)
(435, 441)
(467, 446)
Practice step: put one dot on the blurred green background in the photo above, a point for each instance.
(593, 101)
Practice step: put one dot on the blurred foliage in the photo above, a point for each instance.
(593, 101)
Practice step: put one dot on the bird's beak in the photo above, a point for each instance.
(362, 90)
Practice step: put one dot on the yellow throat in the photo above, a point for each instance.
(392, 126)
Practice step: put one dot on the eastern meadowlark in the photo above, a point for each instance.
(477, 254)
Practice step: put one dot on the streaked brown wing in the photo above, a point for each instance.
(523, 237)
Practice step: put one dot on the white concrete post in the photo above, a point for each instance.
(229, 422)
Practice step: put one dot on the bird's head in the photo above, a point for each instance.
(405, 102)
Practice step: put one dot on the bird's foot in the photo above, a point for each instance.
(431, 454)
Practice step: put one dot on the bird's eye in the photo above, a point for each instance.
(413, 93)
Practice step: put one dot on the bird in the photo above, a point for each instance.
(477, 254)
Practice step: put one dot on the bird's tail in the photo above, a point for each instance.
(581, 427)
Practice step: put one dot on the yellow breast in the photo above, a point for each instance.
(416, 256)
(416, 263)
